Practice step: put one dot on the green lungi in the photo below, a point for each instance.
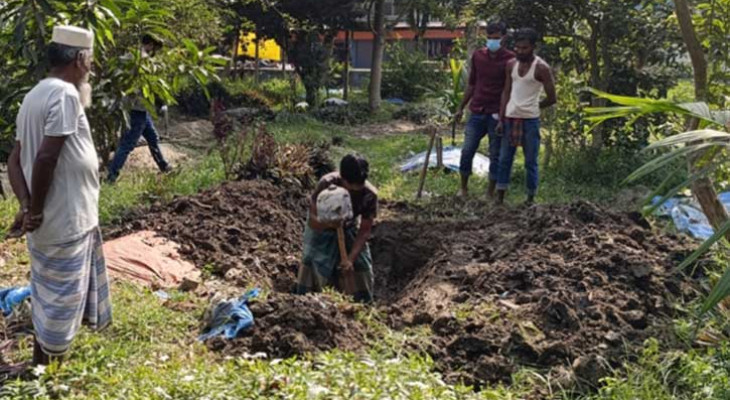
(321, 264)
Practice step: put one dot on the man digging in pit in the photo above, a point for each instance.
(54, 172)
(326, 262)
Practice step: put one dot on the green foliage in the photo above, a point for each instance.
(712, 23)
(311, 57)
(118, 26)
(306, 28)
(702, 148)
(409, 76)
(670, 376)
(233, 93)
(140, 189)
(420, 113)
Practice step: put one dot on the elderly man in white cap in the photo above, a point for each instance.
(54, 172)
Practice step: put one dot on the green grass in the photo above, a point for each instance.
(144, 188)
(151, 352)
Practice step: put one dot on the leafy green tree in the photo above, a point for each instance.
(304, 28)
(118, 26)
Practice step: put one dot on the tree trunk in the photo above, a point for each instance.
(596, 81)
(376, 71)
(257, 67)
(694, 47)
(234, 54)
(346, 91)
(703, 189)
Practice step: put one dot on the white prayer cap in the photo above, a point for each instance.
(73, 36)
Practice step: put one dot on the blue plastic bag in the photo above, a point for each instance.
(231, 317)
(12, 297)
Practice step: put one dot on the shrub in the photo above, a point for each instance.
(232, 93)
(352, 114)
(418, 113)
(409, 76)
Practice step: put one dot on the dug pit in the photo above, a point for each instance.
(559, 288)
(550, 287)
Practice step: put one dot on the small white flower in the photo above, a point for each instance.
(164, 358)
(39, 370)
(162, 392)
(188, 378)
(63, 388)
(315, 391)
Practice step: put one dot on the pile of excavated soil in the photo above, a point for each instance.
(289, 325)
(566, 288)
(249, 232)
(570, 289)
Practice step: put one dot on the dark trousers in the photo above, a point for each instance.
(141, 126)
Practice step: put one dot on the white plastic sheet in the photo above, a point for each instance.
(452, 160)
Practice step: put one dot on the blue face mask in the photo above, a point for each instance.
(494, 44)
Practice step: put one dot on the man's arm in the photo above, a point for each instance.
(43, 172)
(17, 178)
(363, 235)
(507, 93)
(545, 75)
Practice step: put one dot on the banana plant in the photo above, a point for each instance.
(454, 94)
(703, 145)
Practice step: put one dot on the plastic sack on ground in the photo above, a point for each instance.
(146, 258)
(452, 160)
(11, 298)
(687, 215)
(230, 317)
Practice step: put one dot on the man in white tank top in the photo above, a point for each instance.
(527, 77)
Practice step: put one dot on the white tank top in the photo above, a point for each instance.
(524, 102)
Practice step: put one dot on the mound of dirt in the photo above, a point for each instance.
(553, 287)
(249, 232)
(289, 325)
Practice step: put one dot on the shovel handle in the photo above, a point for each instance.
(347, 277)
(341, 243)
(424, 171)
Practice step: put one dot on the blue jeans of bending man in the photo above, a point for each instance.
(531, 150)
(141, 125)
(478, 126)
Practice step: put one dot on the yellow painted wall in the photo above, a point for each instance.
(268, 49)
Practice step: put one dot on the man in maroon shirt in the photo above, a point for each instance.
(483, 95)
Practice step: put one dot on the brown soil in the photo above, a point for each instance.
(248, 232)
(289, 325)
(548, 287)
(569, 289)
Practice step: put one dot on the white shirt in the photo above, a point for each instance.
(524, 101)
(53, 108)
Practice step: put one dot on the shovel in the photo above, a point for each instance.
(347, 276)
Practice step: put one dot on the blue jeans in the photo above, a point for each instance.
(141, 126)
(478, 126)
(531, 149)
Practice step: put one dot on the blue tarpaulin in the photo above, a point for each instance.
(230, 317)
(452, 160)
(12, 297)
(687, 215)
